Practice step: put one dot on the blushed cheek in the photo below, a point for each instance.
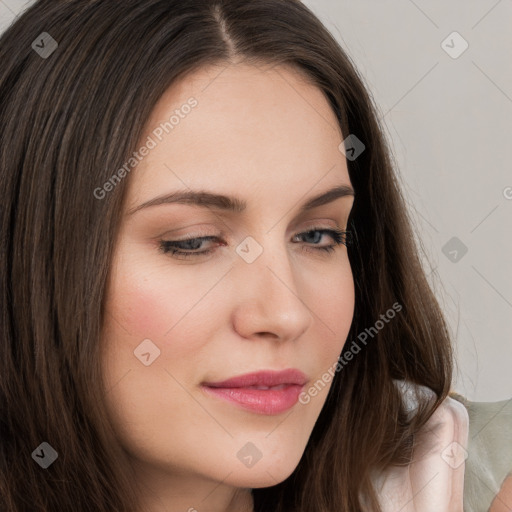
(144, 307)
(139, 300)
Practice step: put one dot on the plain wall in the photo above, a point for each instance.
(449, 121)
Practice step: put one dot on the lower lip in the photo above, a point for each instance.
(262, 401)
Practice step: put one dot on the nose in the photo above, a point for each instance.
(270, 301)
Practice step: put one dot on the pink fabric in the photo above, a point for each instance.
(434, 481)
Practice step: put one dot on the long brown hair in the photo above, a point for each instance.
(72, 117)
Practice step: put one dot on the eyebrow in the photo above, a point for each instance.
(221, 202)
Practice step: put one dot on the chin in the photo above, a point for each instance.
(260, 479)
(265, 473)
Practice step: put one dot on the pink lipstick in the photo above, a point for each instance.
(264, 392)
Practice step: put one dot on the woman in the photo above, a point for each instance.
(174, 334)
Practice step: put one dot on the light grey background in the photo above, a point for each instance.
(449, 122)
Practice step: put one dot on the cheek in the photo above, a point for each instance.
(149, 299)
(337, 300)
(338, 312)
(146, 300)
(144, 306)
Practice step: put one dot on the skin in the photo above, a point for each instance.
(503, 500)
(270, 138)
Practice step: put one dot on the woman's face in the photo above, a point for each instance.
(267, 297)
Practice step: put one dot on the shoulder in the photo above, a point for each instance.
(434, 480)
(452, 412)
(451, 419)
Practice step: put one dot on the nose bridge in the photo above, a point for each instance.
(270, 285)
(267, 262)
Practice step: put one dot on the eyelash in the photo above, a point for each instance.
(168, 246)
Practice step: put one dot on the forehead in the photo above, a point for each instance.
(252, 129)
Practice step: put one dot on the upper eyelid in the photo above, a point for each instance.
(223, 234)
(340, 222)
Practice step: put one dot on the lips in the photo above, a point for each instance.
(265, 392)
(262, 379)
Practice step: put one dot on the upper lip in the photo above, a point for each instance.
(262, 378)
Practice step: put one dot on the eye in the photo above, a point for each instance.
(175, 247)
(188, 247)
(340, 237)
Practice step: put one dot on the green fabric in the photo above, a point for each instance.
(489, 449)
